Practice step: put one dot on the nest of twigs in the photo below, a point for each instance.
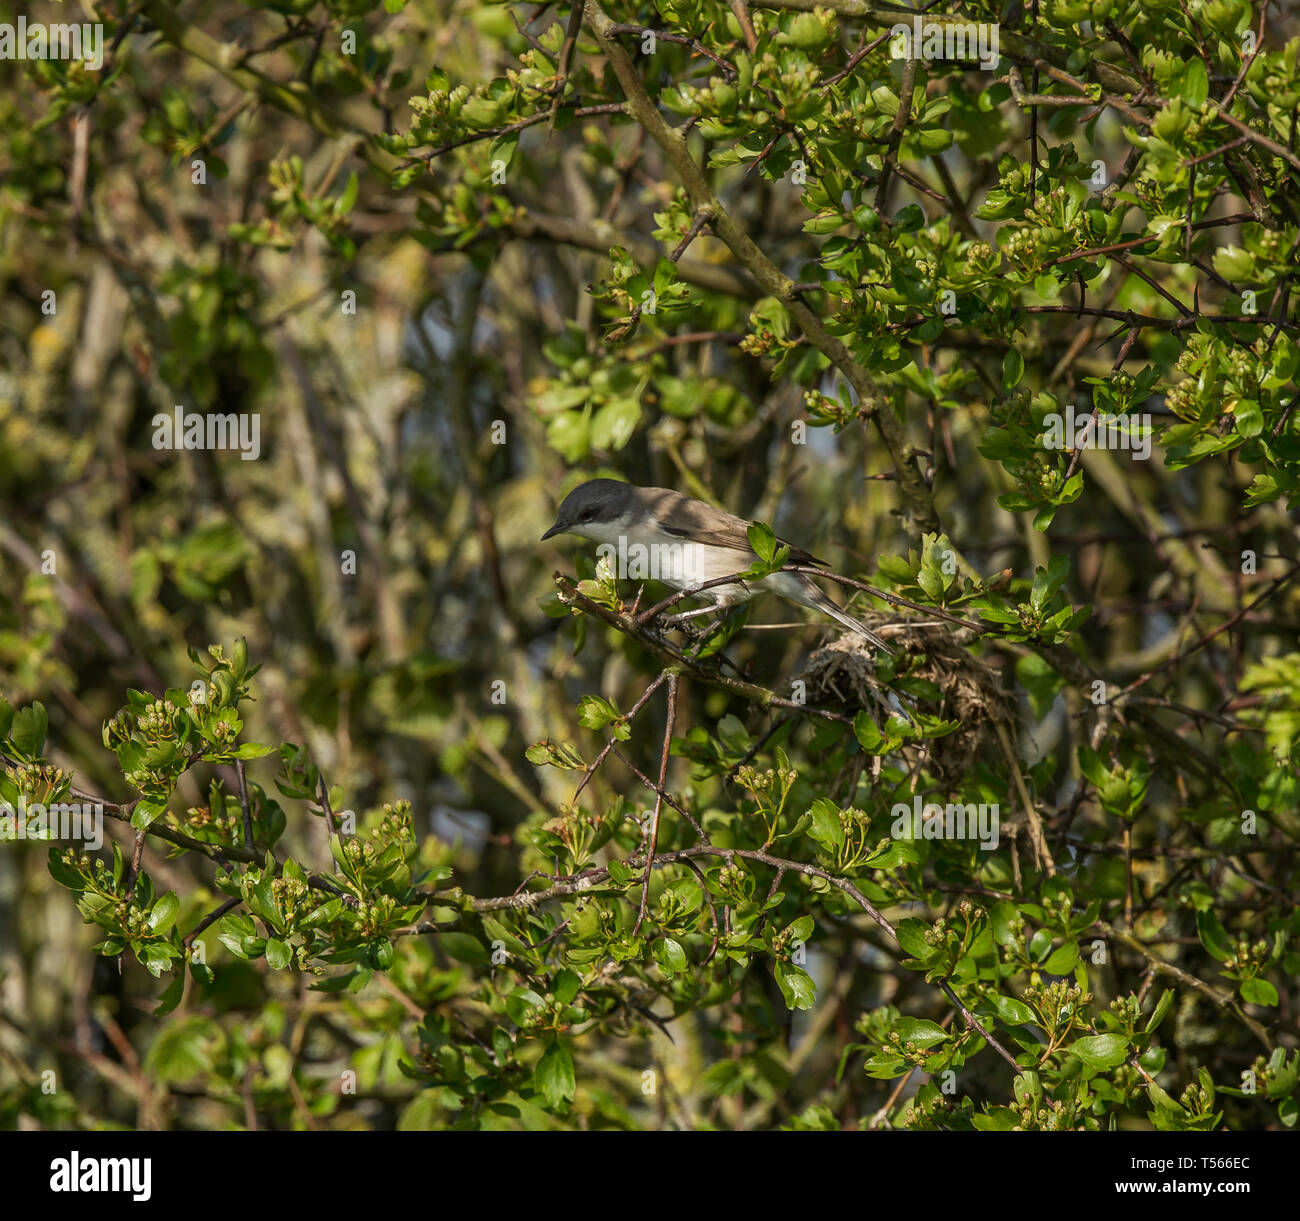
(841, 672)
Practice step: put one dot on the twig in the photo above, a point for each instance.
(243, 804)
(652, 835)
(741, 12)
(1256, 137)
(901, 118)
(210, 919)
(566, 62)
(1221, 999)
(1039, 840)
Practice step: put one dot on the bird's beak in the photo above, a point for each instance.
(555, 529)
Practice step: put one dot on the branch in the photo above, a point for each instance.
(1262, 140)
(599, 235)
(1221, 999)
(761, 696)
(593, 878)
(652, 834)
(296, 99)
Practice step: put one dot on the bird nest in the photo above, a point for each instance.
(842, 672)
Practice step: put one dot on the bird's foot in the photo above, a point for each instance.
(685, 616)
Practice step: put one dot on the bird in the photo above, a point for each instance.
(686, 542)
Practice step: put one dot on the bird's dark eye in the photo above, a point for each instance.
(588, 514)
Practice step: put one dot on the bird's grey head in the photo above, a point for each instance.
(597, 509)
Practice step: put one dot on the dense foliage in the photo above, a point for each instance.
(442, 833)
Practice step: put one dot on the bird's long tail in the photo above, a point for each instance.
(829, 608)
(819, 601)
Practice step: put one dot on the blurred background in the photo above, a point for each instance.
(168, 239)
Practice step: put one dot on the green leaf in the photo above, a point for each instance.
(796, 986)
(1061, 961)
(802, 928)
(998, 1119)
(911, 936)
(278, 954)
(1259, 992)
(1194, 86)
(179, 1052)
(733, 734)
(886, 100)
(826, 828)
(1012, 1011)
(553, 1077)
(613, 424)
(1162, 1101)
(64, 874)
(894, 568)
(595, 712)
(1213, 936)
(251, 750)
(568, 434)
(1162, 1008)
(464, 948)
(1047, 286)
(670, 956)
(1233, 263)
(1249, 418)
(171, 996)
(1100, 1050)
(1013, 369)
(521, 1002)
(343, 205)
(28, 731)
(559, 398)
(922, 1033)
(868, 734)
(326, 913)
(762, 540)
(146, 811)
(565, 986)
(163, 913)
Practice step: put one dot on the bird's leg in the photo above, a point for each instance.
(673, 620)
(719, 633)
(681, 623)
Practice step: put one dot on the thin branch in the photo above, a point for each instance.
(243, 804)
(1221, 999)
(210, 919)
(566, 61)
(1256, 137)
(652, 835)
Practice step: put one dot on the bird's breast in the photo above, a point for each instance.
(649, 553)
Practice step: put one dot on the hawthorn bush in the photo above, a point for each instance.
(412, 821)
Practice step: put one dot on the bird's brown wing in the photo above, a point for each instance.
(702, 523)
